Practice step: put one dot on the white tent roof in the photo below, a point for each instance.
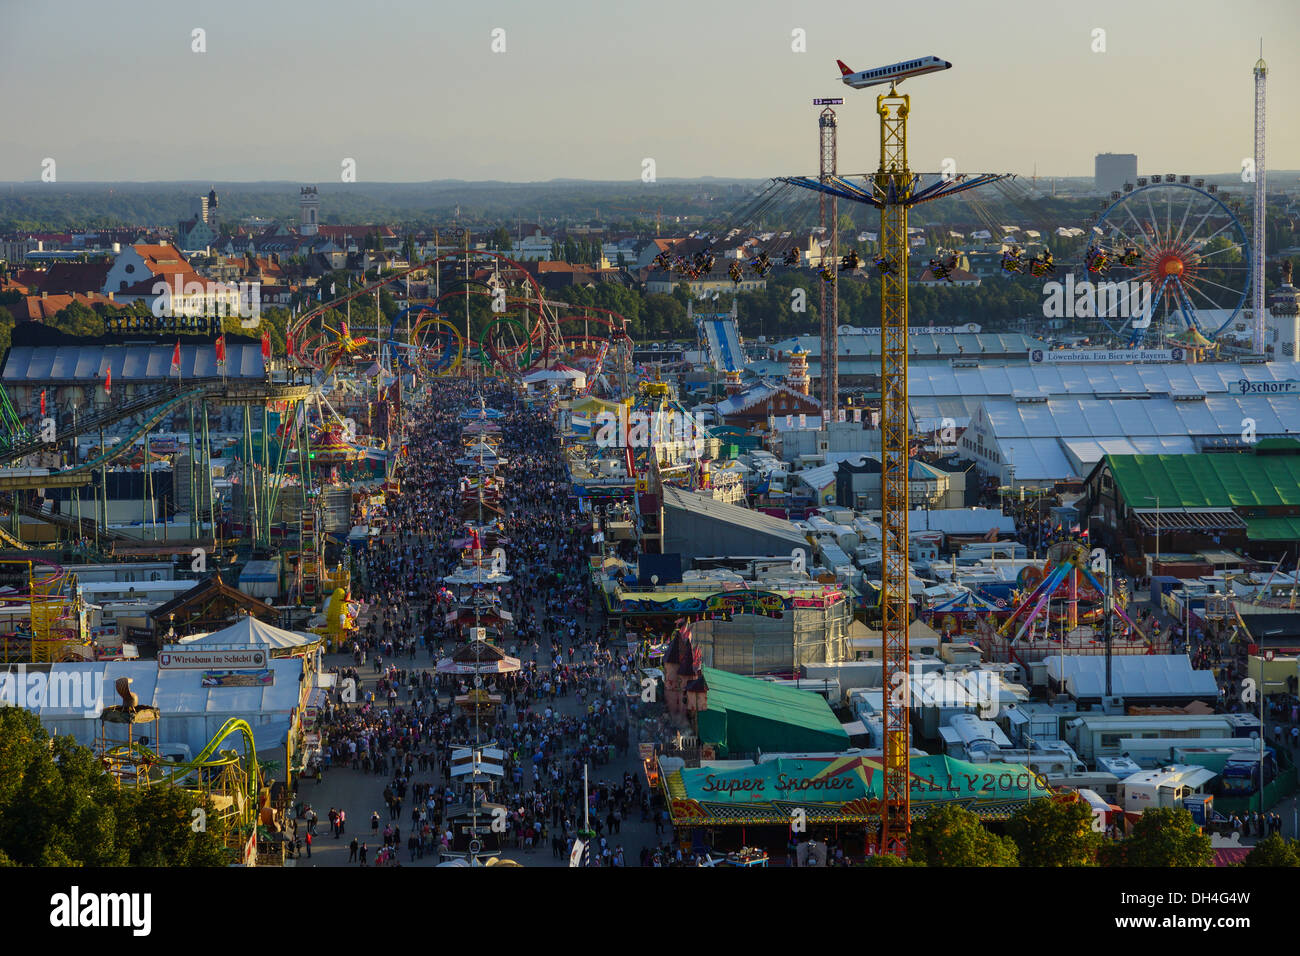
(250, 632)
(555, 374)
(190, 712)
(1134, 676)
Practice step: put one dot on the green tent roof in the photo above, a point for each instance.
(1266, 477)
(745, 715)
(1273, 529)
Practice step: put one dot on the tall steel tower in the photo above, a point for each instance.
(1257, 270)
(830, 316)
(893, 189)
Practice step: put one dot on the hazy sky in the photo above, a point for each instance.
(412, 91)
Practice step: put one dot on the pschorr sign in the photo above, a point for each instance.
(211, 659)
(1244, 387)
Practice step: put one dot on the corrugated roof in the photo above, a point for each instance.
(1133, 676)
(1241, 480)
(1050, 380)
(777, 702)
(708, 507)
(1216, 416)
(1037, 459)
(1273, 529)
(130, 363)
(859, 345)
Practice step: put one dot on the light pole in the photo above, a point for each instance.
(1156, 499)
(1262, 685)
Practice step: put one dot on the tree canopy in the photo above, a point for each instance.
(1274, 850)
(1054, 833)
(953, 836)
(59, 808)
(1162, 836)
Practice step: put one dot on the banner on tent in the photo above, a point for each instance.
(245, 678)
(212, 659)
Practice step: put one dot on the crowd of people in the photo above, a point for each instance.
(564, 710)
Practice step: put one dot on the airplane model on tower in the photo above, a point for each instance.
(891, 74)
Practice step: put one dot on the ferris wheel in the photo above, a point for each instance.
(1175, 258)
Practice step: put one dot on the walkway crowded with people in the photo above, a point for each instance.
(387, 756)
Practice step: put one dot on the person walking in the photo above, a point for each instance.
(352, 851)
(307, 841)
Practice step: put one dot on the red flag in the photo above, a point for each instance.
(42, 403)
(266, 346)
(108, 381)
(176, 358)
(221, 350)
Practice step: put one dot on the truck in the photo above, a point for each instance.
(1242, 772)
(1166, 787)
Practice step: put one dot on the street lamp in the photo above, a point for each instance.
(1260, 696)
(1156, 499)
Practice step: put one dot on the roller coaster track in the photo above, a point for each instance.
(109, 416)
(157, 404)
(209, 758)
(13, 542)
(81, 527)
(159, 412)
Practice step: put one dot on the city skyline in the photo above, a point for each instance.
(288, 95)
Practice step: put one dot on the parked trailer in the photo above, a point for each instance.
(1166, 787)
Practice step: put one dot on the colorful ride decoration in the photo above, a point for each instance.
(342, 348)
(435, 345)
(329, 446)
(1066, 570)
(54, 631)
(305, 328)
(959, 614)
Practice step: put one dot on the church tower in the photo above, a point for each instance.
(308, 211)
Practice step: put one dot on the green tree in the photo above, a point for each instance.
(1274, 850)
(952, 836)
(158, 828)
(59, 808)
(77, 319)
(6, 330)
(1053, 833)
(888, 859)
(500, 239)
(1164, 837)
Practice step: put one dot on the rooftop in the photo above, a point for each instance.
(1257, 478)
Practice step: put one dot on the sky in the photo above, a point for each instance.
(412, 90)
